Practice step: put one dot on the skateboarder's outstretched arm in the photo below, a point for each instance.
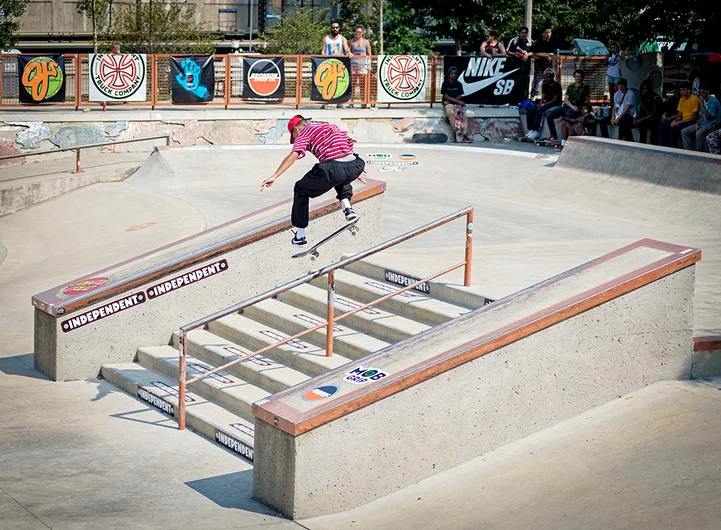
(284, 165)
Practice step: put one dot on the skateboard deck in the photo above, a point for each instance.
(548, 143)
(525, 139)
(313, 251)
(430, 138)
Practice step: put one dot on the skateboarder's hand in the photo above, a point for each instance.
(267, 183)
(362, 177)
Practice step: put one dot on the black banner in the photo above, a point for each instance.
(489, 81)
(331, 80)
(42, 79)
(192, 79)
(263, 79)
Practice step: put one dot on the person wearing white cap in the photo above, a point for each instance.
(337, 167)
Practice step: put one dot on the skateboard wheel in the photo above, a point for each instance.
(312, 258)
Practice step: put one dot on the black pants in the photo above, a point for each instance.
(624, 127)
(646, 127)
(320, 179)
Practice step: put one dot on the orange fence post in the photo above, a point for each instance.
(181, 382)
(153, 82)
(78, 80)
(227, 81)
(329, 316)
(2, 69)
(77, 162)
(433, 79)
(469, 249)
(298, 80)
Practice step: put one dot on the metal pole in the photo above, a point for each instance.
(250, 24)
(181, 382)
(529, 16)
(469, 249)
(77, 162)
(329, 316)
(381, 27)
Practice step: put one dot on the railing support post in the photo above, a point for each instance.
(469, 249)
(329, 316)
(227, 84)
(181, 381)
(77, 162)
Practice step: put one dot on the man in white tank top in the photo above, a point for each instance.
(335, 43)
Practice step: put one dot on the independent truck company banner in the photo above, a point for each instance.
(331, 80)
(42, 79)
(402, 78)
(117, 77)
(192, 79)
(263, 79)
(489, 81)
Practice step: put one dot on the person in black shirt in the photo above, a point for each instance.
(552, 97)
(544, 49)
(649, 113)
(454, 107)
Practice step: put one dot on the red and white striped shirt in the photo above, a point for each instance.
(325, 140)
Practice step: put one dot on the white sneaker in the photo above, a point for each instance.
(535, 135)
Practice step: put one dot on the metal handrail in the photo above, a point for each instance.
(330, 320)
(77, 148)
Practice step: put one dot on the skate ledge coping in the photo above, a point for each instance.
(277, 410)
(142, 269)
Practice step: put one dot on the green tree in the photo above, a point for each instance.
(363, 12)
(160, 27)
(10, 10)
(300, 33)
(404, 30)
(95, 11)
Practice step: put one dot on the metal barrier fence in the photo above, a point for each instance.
(298, 79)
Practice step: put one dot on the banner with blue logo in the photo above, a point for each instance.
(192, 79)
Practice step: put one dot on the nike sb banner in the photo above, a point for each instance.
(489, 81)
(402, 78)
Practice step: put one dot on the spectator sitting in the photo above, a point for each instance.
(576, 95)
(710, 114)
(687, 113)
(543, 53)
(521, 45)
(670, 106)
(552, 95)
(580, 126)
(623, 112)
(492, 47)
(453, 107)
(615, 56)
(649, 113)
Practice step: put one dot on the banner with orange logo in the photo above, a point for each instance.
(331, 80)
(263, 79)
(42, 79)
(192, 79)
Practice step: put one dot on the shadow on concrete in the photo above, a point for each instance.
(160, 423)
(22, 365)
(234, 490)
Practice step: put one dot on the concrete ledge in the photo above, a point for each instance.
(527, 361)
(661, 165)
(706, 357)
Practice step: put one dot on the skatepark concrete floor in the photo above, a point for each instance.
(86, 455)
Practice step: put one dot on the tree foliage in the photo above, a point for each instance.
(160, 28)
(96, 12)
(363, 12)
(11, 10)
(404, 30)
(299, 33)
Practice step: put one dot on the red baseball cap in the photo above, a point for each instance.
(293, 122)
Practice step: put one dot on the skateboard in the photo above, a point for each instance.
(547, 143)
(525, 139)
(430, 138)
(313, 251)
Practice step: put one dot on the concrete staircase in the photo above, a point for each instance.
(220, 407)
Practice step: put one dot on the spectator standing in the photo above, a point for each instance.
(581, 126)
(615, 56)
(687, 113)
(521, 45)
(544, 50)
(622, 113)
(492, 47)
(334, 44)
(453, 107)
(577, 95)
(710, 114)
(649, 113)
(360, 63)
(552, 96)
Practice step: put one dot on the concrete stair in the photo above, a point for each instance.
(220, 406)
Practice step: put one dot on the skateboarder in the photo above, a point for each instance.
(337, 167)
